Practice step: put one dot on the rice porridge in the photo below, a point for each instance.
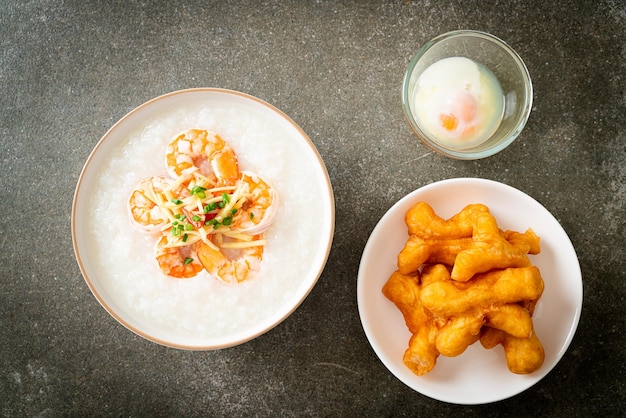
(204, 307)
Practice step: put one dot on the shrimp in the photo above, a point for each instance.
(209, 215)
(256, 212)
(233, 261)
(144, 204)
(204, 151)
(180, 262)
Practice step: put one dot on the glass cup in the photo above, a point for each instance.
(496, 56)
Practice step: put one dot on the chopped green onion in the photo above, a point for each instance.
(251, 215)
(188, 260)
(227, 220)
(188, 227)
(196, 218)
(211, 206)
(185, 237)
(225, 198)
(177, 201)
(213, 222)
(198, 191)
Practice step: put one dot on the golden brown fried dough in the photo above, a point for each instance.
(434, 273)
(462, 280)
(523, 355)
(528, 238)
(413, 255)
(444, 298)
(510, 318)
(422, 220)
(458, 333)
(491, 337)
(488, 251)
(403, 290)
(529, 305)
(418, 251)
(421, 355)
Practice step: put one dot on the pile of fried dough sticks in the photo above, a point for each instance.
(464, 280)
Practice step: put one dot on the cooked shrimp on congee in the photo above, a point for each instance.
(208, 215)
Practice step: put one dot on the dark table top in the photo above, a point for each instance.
(69, 70)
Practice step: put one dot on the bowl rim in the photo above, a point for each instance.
(467, 154)
(273, 320)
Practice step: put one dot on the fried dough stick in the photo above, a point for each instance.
(424, 222)
(421, 354)
(446, 298)
(418, 251)
(473, 232)
(453, 334)
(459, 333)
(510, 318)
(528, 238)
(523, 355)
(490, 250)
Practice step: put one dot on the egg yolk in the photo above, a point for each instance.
(459, 113)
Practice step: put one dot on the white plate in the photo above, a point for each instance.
(478, 375)
(201, 313)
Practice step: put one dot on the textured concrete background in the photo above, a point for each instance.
(71, 69)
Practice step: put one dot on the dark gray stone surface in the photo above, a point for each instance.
(70, 69)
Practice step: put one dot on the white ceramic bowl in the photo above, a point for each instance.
(201, 313)
(478, 375)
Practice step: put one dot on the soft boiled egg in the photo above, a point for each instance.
(459, 102)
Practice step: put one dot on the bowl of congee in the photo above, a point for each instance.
(191, 220)
(467, 94)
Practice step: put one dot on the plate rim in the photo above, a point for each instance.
(272, 320)
(483, 183)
